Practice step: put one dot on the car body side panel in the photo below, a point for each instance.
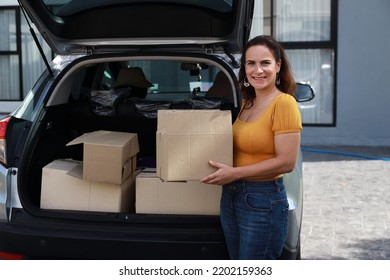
(4, 192)
(294, 186)
(9, 196)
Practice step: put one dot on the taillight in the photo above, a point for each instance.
(9, 256)
(3, 150)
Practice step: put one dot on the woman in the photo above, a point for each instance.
(266, 139)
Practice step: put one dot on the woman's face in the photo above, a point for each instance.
(261, 67)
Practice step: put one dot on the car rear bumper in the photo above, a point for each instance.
(66, 247)
(44, 239)
(37, 244)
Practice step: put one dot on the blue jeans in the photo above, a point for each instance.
(254, 217)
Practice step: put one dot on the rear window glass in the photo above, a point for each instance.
(156, 80)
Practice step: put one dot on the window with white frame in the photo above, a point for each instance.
(307, 30)
(9, 57)
(20, 60)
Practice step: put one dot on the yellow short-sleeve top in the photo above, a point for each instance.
(253, 141)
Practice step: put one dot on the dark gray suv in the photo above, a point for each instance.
(182, 47)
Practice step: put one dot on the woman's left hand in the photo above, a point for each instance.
(223, 175)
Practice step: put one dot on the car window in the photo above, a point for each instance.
(164, 80)
(26, 109)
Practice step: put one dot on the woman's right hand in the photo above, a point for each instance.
(222, 176)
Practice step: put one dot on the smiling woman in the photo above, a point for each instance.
(266, 139)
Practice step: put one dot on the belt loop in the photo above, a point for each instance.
(244, 186)
(277, 183)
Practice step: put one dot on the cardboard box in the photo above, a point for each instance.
(66, 192)
(109, 156)
(154, 196)
(188, 139)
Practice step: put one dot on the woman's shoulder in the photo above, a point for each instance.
(285, 99)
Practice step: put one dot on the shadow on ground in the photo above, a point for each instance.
(359, 249)
(337, 153)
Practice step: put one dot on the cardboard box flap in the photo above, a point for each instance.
(107, 138)
(63, 164)
(84, 138)
(186, 122)
(76, 171)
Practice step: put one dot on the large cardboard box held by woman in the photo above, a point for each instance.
(188, 139)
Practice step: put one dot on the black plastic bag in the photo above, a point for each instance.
(105, 102)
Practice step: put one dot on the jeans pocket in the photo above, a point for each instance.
(258, 201)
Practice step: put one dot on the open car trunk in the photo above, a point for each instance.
(178, 83)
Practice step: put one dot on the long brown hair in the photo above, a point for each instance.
(287, 82)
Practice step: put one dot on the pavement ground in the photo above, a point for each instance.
(346, 212)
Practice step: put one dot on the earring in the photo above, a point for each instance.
(246, 83)
(277, 82)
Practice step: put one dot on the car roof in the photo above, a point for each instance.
(75, 27)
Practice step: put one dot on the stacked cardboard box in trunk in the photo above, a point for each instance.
(103, 181)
